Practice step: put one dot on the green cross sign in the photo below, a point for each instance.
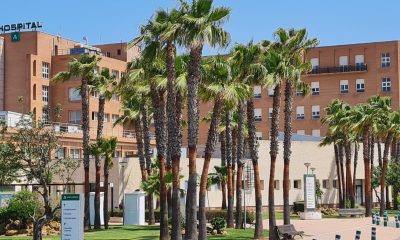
(15, 37)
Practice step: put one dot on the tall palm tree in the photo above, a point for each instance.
(103, 84)
(202, 25)
(83, 67)
(292, 44)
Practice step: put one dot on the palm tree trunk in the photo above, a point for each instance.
(253, 146)
(210, 148)
(139, 143)
(349, 179)
(355, 167)
(340, 178)
(388, 142)
(223, 163)
(273, 235)
(85, 144)
(378, 143)
(371, 159)
(367, 173)
(147, 155)
(193, 129)
(287, 142)
(228, 139)
(341, 157)
(100, 124)
(239, 158)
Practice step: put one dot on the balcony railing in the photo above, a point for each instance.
(340, 69)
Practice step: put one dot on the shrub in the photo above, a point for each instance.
(218, 224)
(298, 206)
(21, 207)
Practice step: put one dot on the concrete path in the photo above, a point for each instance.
(326, 229)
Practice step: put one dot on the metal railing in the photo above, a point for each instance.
(340, 69)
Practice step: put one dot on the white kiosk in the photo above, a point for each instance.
(92, 208)
(134, 208)
(310, 212)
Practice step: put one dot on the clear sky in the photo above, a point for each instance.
(103, 21)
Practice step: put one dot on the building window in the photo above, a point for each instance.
(301, 132)
(270, 92)
(314, 65)
(316, 133)
(257, 91)
(106, 117)
(59, 153)
(108, 54)
(334, 184)
(114, 118)
(259, 135)
(34, 68)
(386, 84)
(385, 60)
(261, 185)
(94, 94)
(297, 184)
(115, 97)
(276, 184)
(45, 93)
(94, 116)
(34, 92)
(360, 85)
(75, 117)
(74, 94)
(344, 63)
(344, 86)
(129, 154)
(300, 112)
(45, 115)
(119, 51)
(300, 92)
(359, 60)
(257, 114)
(115, 74)
(75, 153)
(45, 70)
(315, 112)
(270, 113)
(325, 184)
(315, 88)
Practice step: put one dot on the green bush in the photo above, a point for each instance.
(20, 207)
(210, 214)
(298, 206)
(218, 224)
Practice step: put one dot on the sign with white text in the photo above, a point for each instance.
(72, 217)
(309, 192)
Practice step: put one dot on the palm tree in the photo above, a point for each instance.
(83, 67)
(219, 176)
(202, 25)
(103, 84)
(292, 44)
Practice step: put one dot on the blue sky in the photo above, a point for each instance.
(103, 21)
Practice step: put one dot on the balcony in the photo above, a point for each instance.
(340, 69)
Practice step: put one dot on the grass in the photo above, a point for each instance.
(144, 233)
(279, 215)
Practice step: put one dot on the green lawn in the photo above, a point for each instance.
(279, 215)
(144, 233)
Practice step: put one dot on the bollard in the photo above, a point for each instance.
(373, 233)
(338, 237)
(385, 221)
(378, 220)
(358, 235)
(373, 219)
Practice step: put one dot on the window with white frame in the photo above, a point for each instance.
(314, 65)
(75, 117)
(344, 86)
(297, 184)
(257, 114)
(94, 94)
(59, 153)
(386, 84)
(45, 93)
(270, 92)
(74, 153)
(300, 112)
(314, 88)
(114, 118)
(74, 94)
(316, 133)
(270, 113)
(385, 60)
(257, 91)
(45, 70)
(115, 74)
(95, 116)
(326, 184)
(259, 135)
(301, 132)
(360, 85)
(315, 111)
(106, 117)
(359, 60)
(45, 115)
(344, 63)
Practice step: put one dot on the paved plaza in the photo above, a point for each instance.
(327, 228)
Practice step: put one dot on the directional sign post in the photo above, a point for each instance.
(72, 217)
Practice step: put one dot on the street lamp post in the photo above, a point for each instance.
(312, 170)
(307, 164)
(112, 199)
